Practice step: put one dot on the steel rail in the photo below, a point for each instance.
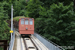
(36, 44)
(31, 42)
(25, 44)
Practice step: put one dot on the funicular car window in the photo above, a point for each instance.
(26, 21)
(31, 21)
(22, 21)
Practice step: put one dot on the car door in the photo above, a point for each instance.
(22, 27)
(31, 24)
(26, 24)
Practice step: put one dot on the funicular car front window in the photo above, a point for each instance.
(31, 21)
(26, 21)
(22, 21)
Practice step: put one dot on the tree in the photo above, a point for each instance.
(19, 8)
(4, 29)
(32, 9)
(57, 24)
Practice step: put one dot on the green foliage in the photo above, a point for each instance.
(7, 7)
(47, 3)
(33, 8)
(57, 24)
(19, 8)
(54, 19)
(1, 48)
(4, 29)
(43, 12)
(18, 17)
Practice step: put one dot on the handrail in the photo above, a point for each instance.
(11, 44)
(49, 44)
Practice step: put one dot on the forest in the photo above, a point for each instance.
(54, 19)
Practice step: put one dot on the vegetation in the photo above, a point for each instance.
(58, 24)
(54, 19)
(1, 48)
(4, 29)
(18, 17)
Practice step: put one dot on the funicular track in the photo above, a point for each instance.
(26, 43)
(29, 44)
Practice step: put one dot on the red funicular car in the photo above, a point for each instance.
(26, 26)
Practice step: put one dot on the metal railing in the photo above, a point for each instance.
(49, 44)
(11, 44)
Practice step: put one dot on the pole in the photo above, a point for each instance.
(11, 19)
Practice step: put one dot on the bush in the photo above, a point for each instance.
(4, 29)
(58, 24)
